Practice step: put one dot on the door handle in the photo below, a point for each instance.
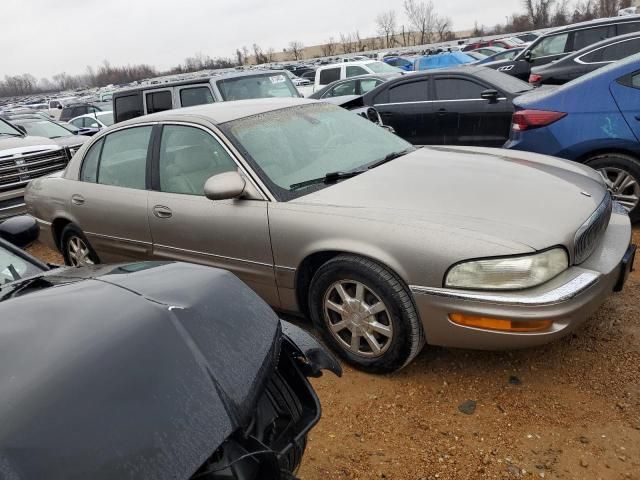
(77, 199)
(442, 112)
(161, 211)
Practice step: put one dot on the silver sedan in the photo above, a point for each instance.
(384, 246)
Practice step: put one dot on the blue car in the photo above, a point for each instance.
(594, 120)
(442, 60)
(400, 62)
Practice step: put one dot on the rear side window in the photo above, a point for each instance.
(635, 81)
(329, 75)
(457, 89)
(128, 106)
(613, 52)
(123, 162)
(628, 27)
(584, 38)
(89, 172)
(354, 71)
(195, 96)
(409, 92)
(159, 101)
(553, 45)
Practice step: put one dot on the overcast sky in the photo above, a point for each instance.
(45, 37)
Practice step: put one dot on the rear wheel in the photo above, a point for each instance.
(365, 313)
(621, 173)
(76, 249)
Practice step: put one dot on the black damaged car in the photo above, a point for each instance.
(147, 370)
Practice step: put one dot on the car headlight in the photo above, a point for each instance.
(511, 273)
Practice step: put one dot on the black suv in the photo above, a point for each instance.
(562, 41)
(74, 110)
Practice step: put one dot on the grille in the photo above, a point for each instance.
(590, 233)
(17, 171)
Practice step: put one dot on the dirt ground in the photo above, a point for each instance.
(568, 410)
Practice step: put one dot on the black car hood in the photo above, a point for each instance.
(133, 371)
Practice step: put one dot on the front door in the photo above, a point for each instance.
(109, 203)
(186, 226)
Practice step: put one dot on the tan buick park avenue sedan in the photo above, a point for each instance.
(386, 247)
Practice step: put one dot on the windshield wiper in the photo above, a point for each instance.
(16, 287)
(12, 134)
(391, 156)
(331, 177)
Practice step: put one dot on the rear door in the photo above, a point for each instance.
(626, 92)
(465, 118)
(158, 100)
(406, 107)
(110, 202)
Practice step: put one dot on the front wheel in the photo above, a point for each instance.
(621, 173)
(365, 313)
(76, 249)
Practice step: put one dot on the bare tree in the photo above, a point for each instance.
(422, 17)
(239, 57)
(346, 43)
(329, 48)
(386, 23)
(245, 55)
(443, 28)
(258, 55)
(295, 48)
(608, 8)
(539, 11)
(271, 55)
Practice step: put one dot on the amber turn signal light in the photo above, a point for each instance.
(500, 324)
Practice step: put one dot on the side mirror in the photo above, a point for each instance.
(527, 55)
(59, 107)
(21, 128)
(20, 231)
(224, 186)
(491, 95)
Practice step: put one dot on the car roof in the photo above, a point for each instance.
(199, 80)
(222, 112)
(593, 23)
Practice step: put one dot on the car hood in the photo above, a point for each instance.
(11, 145)
(70, 140)
(112, 372)
(532, 200)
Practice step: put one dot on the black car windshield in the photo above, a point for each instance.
(13, 267)
(294, 145)
(44, 128)
(6, 129)
(257, 86)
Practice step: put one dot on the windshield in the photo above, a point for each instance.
(297, 144)
(381, 67)
(106, 118)
(13, 268)
(6, 129)
(257, 86)
(43, 128)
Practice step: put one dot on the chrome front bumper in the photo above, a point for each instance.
(568, 300)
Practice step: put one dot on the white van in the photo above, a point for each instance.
(337, 71)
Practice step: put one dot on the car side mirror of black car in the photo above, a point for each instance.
(225, 186)
(20, 231)
(491, 95)
(527, 55)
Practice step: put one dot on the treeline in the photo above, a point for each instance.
(103, 75)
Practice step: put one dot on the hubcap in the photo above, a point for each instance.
(79, 253)
(357, 318)
(623, 186)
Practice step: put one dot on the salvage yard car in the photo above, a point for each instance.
(196, 381)
(325, 214)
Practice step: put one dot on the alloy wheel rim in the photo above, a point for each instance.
(623, 186)
(79, 253)
(357, 318)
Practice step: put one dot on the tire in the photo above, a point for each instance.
(381, 307)
(85, 254)
(610, 165)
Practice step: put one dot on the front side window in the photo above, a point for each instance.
(554, 45)
(106, 118)
(409, 92)
(123, 162)
(346, 88)
(366, 85)
(189, 156)
(329, 75)
(77, 122)
(457, 89)
(305, 142)
(89, 170)
(159, 101)
(190, 97)
(354, 71)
